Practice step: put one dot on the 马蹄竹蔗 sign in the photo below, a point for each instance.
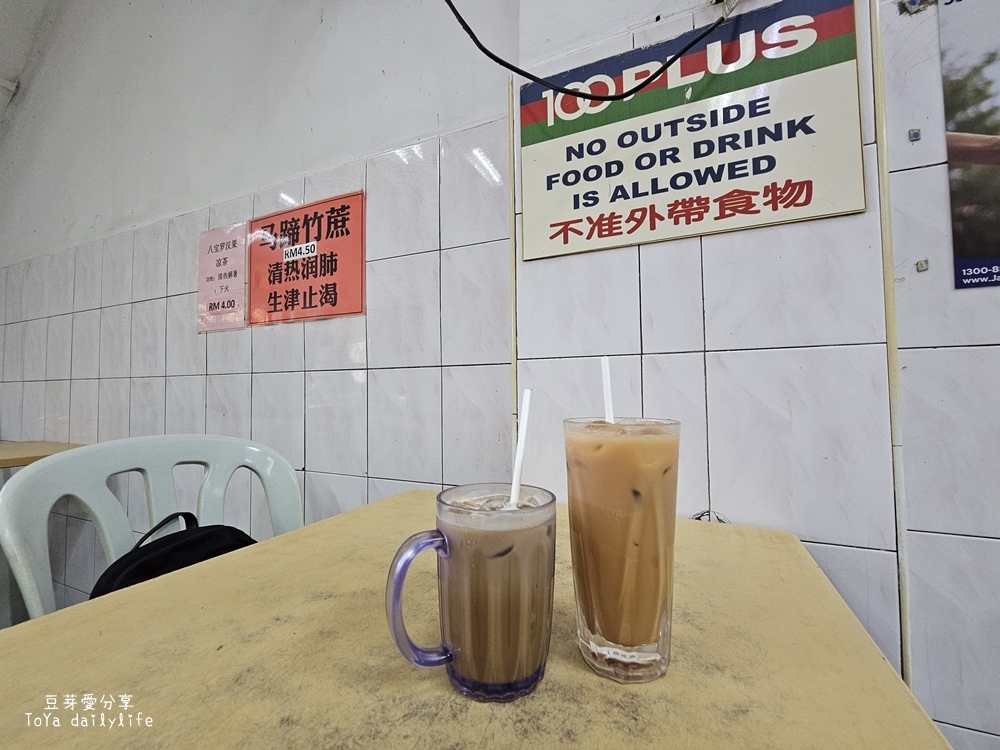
(757, 124)
(308, 262)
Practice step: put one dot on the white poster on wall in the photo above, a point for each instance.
(757, 124)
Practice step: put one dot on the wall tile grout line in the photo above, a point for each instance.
(970, 729)
(846, 546)
(953, 534)
(947, 347)
(712, 351)
(902, 170)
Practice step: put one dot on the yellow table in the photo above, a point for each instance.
(24, 452)
(285, 645)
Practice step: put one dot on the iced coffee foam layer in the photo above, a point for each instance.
(492, 502)
(625, 427)
(498, 514)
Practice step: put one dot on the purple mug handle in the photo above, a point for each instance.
(422, 657)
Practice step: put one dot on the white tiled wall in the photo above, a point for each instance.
(799, 440)
(955, 604)
(949, 412)
(950, 417)
(967, 739)
(808, 284)
(769, 345)
(869, 583)
(99, 342)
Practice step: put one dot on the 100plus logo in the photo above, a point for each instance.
(784, 38)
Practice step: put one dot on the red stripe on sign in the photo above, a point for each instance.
(535, 112)
(827, 25)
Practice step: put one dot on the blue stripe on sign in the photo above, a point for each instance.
(731, 29)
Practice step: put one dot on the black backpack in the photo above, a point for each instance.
(172, 552)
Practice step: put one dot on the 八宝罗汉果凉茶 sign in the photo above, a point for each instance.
(222, 265)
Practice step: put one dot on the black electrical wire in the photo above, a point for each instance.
(572, 92)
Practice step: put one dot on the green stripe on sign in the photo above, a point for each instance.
(765, 70)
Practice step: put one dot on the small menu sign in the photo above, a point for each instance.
(222, 264)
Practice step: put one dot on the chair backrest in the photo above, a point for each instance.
(82, 474)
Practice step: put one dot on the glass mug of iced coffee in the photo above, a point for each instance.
(622, 480)
(496, 563)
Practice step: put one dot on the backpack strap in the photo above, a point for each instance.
(190, 522)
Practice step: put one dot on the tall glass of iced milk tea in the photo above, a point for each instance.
(622, 479)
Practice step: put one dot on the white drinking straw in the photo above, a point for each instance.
(609, 409)
(522, 438)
